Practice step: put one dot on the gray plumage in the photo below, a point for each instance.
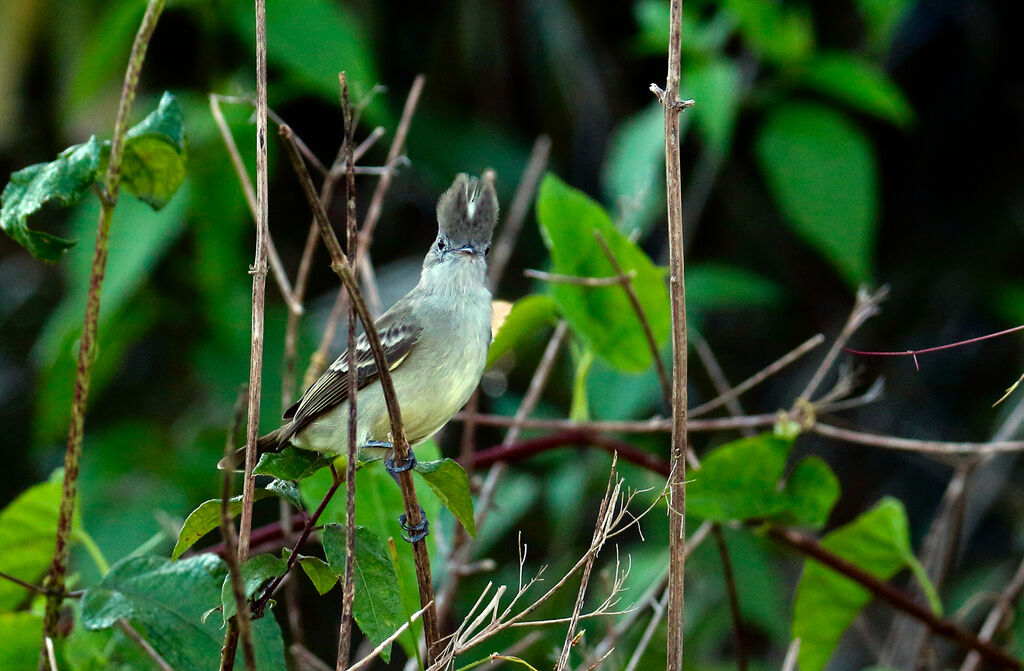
(435, 340)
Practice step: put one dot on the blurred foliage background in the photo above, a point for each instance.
(833, 143)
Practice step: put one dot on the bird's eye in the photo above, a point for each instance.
(487, 251)
(440, 245)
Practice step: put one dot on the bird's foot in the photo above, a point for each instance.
(417, 532)
(394, 470)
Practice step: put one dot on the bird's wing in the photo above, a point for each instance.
(399, 333)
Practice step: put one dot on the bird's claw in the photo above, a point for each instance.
(417, 532)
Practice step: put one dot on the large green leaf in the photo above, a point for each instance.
(739, 480)
(716, 86)
(206, 518)
(377, 608)
(166, 601)
(860, 83)
(28, 526)
(812, 490)
(291, 463)
(601, 316)
(528, 315)
(255, 572)
(821, 170)
(63, 181)
(331, 31)
(22, 633)
(714, 285)
(153, 166)
(878, 541)
(777, 32)
(451, 484)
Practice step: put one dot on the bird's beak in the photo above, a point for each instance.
(467, 250)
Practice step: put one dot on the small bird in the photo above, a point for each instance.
(435, 340)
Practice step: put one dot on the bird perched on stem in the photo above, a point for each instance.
(435, 340)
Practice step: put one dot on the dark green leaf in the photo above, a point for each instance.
(63, 180)
(27, 529)
(878, 541)
(287, 490)
(167, 600)
(153, 166)
(882, 18)
(715, 285)
(320, 574)
(255, 571)
(528, 315)
(291, 463)
(716, 84)
(449, 481)
(22, 633)
(821, 170)
(739, 480)
(778, 33)
(378, 606)
(860, 83)
(206, 518)
(812, 490)
(601, 316)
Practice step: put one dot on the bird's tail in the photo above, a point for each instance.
(272, 442)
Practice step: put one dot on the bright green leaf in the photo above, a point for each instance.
(812, 490)
(716, 285)
(449, 481)
(291, 463)
(878, 541)
(153, 166)
(378, 606)
(859, 83)
(821, 170)
(715, 85)
(319, 573)
(778, 33)
(206, 518)
(255, 572)
(28, 526)
(167, 600)
(601, 316)
(22, 633)
(287, 490)
(739, 480)
(529, 314)
(63, 181)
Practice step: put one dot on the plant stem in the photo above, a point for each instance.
(87, 346)
(259, 282)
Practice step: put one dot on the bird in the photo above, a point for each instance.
(435, 341)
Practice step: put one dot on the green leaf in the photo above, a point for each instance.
(812, 490)
(153, 166)
(166, 600)
(715, 285)
(739, 480)
(601, 316)
(882, 18)
(319, 573)
(28, 526)
(448, 479)
(378, 605)
(778, 33)
(878, 541)
(715, 85)
(330, 30)
(291, 463)
(859, 83)
(287, 490)
(63, 180)
(255, 571)
(821, 170)
(22, 633)
(529, 314)
(206, 518)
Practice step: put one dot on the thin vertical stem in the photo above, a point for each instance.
(677, 292)
(349, 585)
(87, 345)
(259, 281)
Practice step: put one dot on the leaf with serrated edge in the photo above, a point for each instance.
(449, 481)
(291, 463)
(255, 571)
